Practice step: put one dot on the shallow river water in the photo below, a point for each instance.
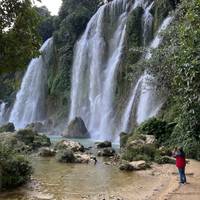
(55, 181)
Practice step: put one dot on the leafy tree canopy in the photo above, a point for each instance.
(19, 38)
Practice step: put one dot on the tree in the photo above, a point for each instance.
(19, 38)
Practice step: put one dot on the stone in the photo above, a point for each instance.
(106, 152)
(69, 144)
(150, 139)
(65, 156)
(126, 167)
(46, 152)
(82, 158)
(76, 129)
(9, 127)
(104, 144)
(139, 165)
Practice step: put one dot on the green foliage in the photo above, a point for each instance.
(47, 23)
(145, 152)
(176, 65)
(19, 37)
(159, 128)
(14, 169)
(7, 128)
(32, 138)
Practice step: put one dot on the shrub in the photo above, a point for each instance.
(159, 128)
(146, 152)
(14, 168)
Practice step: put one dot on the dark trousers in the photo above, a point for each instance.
(182, 175)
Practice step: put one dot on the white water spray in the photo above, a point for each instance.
(30, 100)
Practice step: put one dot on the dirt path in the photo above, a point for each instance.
(174, 191)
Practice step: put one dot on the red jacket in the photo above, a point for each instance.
(180, 160)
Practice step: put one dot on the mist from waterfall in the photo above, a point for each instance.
(30, 100)
(96, 61)
(2, 112)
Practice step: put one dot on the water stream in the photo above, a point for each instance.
(30, 100)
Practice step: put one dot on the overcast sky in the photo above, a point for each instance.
(52, 5)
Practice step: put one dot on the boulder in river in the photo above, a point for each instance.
(106, 152)
(104, 144)
(9, 127)
(65, 156)
(46, 152)
(76, 129)
(69, 144)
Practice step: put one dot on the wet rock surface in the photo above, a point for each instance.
(76, 129)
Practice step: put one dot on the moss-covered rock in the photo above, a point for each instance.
(7, 128)
(32, 138)
(65, 156)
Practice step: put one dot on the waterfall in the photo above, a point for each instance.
(97, 58)
(149, 103)
(127, 112)
(147, 24)
(2, 112)
(30, 100)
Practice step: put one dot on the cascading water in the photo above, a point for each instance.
(127, 112)
(147, 24)
(96, 61)
(2, 112)
(150, 103)
(30, 100)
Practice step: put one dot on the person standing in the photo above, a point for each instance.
(179, 154)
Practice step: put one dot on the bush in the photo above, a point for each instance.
(146, 152)
(15, 170)
(159, 128)
(7, 128)
(32, 138)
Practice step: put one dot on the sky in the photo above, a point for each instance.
(52, 5)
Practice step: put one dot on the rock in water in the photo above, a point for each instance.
(69, 144)
(46, 152)
(7, 128)
(76, 129)
(65, 156)
(104, 144)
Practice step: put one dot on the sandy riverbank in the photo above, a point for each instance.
(171, 189)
